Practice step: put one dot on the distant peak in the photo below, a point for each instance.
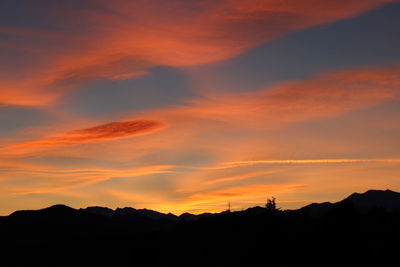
(374, 192)
(60, 206)
(380, 191)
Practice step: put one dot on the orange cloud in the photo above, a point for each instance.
(108, 131)
(114, 130)
(122, 39)
(325, 95)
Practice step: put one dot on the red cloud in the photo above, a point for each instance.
(114, 130)
(117, 39)
(109, 131)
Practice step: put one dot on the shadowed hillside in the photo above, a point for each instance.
(361, 230)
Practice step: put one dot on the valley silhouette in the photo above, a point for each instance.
(361, 230)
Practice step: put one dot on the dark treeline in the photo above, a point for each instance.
(362, 230)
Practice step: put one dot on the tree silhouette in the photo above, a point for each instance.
(271, 204)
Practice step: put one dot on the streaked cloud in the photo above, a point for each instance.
(108, 131)
(115, 130)
(40, 181)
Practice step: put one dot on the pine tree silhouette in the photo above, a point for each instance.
(271, 204)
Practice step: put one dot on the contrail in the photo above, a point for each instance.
(309, 161)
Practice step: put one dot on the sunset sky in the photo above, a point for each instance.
(185, 105)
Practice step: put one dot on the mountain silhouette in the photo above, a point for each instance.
(361, 230)
(151, 214)
(369, 201)
(375, 199)
(366, 202)
(53, 211)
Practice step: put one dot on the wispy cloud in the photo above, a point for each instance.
(321, 96)
(43, 181)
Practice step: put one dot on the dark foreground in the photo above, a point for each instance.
(362, 230)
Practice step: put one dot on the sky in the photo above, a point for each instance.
(187, 105)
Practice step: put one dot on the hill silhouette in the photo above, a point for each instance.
(361, 203)
(363, 229)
